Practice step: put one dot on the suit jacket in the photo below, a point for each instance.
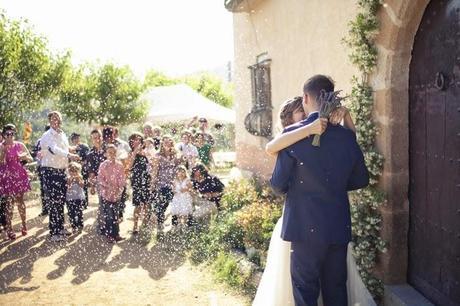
(316, 181)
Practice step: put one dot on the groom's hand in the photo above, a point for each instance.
(318, 126)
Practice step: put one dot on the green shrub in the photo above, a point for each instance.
(224, 233)
(238, 194)
(258, 221)
(226, 267)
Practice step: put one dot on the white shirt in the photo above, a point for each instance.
(187, 150)
(123, 149)
(54, 149)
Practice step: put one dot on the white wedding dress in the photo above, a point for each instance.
(275, 287)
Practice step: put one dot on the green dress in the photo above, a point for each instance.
(204, 153)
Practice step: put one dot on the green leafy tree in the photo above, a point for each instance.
(104, 95)
(206, 84)
(29, 74)
(155, 78)
(212, 88)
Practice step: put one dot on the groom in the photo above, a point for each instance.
(317, 213)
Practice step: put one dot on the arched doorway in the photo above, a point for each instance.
(434, 155)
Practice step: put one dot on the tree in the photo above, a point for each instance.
(206, 84)
(29, 74)
(107, 95)
(212, 88)
(155, 78)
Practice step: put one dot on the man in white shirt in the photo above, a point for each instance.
(55, 158)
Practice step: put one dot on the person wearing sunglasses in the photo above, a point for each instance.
(14, 181)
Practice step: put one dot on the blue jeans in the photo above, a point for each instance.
(75, 210)
(111, 215)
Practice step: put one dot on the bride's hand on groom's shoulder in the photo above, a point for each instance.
(338, 115)
(318, 126)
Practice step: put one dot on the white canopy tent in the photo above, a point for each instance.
(181, 103)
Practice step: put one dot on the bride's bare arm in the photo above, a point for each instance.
(285, 140)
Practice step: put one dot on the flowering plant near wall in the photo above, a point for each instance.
(366, 217)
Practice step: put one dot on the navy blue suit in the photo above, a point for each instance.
(317, 212)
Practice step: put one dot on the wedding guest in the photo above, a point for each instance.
(94, 158)
(14, 181)
(36, 154)
(121, 144)
(203, 128)
(109, 136)
(75, 197)
(209, 187)
(150, 150)
(204, 150)
(55, 155)
(111, 183)
(155, 134)
(148, 130)
(181, 204)
(188, 152)
(138, 164)
(163, 174)
(82, 150)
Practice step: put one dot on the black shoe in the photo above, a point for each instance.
(118, 238)
(65, 232)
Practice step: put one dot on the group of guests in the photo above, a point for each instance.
(159, 172)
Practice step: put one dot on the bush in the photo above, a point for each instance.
(258, 221)
(223, 234)
(238, 194)
(232, 269)
(226, 267)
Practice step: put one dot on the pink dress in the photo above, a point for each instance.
(13, 176)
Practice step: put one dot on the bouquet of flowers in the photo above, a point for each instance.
(328, 102)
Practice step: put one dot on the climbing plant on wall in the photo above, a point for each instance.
(366, 217)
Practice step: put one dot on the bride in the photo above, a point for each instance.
(275, 287)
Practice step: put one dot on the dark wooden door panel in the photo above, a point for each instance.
(434, 92)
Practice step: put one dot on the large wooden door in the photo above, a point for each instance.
(434, 90)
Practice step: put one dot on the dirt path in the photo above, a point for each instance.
(86, 270)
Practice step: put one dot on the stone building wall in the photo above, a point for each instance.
(302, 38)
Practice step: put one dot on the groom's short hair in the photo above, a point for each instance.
(316, 83)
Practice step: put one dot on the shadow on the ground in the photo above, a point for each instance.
(91, 251)
(17, 260)
(168, 253)
(86, 254)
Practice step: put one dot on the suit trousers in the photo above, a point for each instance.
(55, 187)
(315, 266)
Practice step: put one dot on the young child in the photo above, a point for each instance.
(150, 150)
(75, 197)
(188, 152)
(181, 204)
(111, 181)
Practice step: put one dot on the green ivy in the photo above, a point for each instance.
(366, 217)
